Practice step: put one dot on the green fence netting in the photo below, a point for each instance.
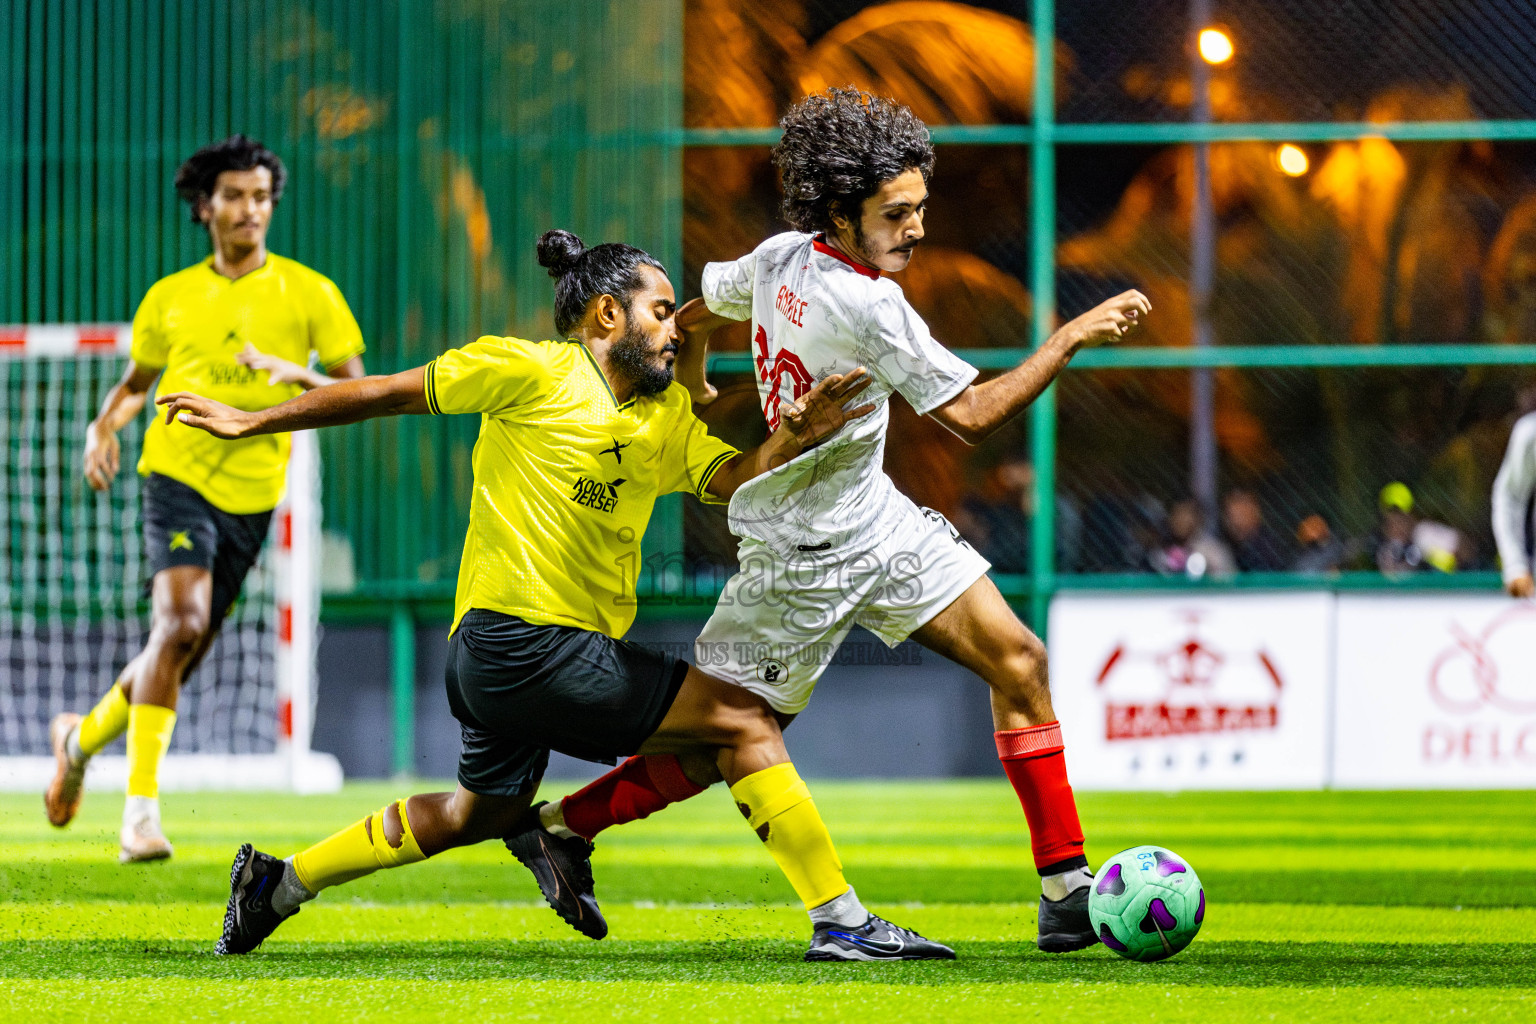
(1079, 150)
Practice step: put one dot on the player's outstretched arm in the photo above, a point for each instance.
(347, 401)
(981, 408)
(695, 323)
(803, 424)
(123, 402)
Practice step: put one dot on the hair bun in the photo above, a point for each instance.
(558, 251)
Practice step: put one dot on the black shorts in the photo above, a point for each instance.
(181, 527)
(520, 690)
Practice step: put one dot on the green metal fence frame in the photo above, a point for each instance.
(403, 605)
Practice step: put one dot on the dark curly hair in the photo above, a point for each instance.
(838, 148)
(198, 174)
(582, 274)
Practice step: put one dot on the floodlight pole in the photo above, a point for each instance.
(1202, 280)
(1042, 233)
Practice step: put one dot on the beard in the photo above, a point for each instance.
(861, 247)
(867, 252)
(631, 355)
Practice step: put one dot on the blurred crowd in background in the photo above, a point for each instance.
(1147, 535)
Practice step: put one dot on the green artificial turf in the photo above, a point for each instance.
(1322, 906)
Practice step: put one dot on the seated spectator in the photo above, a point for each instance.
(1255, 547)
(1113, 539)
(1396, 552)
(1189, 549)
(996, 520)
(1321, 551)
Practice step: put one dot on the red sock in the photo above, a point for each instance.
(639, 787)
(1037, 766)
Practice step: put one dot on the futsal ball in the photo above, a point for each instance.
(1147, 903)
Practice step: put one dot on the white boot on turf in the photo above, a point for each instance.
(141, 838)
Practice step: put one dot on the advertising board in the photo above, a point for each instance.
(1220, 691)
(1435, 692)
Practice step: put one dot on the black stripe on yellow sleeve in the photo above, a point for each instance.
(431, 388)
(353, 354)
(714, 467)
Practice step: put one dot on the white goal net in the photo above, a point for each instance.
(73, 606)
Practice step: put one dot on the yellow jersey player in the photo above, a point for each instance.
(239, 325)
(578, 438)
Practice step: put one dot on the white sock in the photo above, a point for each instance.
(1058, 887)
(72, 750)
(138, 808)
(290, 892)
(846, 910)
(552, 817)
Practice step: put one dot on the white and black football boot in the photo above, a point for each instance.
(875, 939)
(249, 918)
(563, 869)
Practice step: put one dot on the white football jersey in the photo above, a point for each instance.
(1514, 501)
(814, 313)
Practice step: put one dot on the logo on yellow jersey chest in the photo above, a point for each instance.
(228, 370)
(599, 494)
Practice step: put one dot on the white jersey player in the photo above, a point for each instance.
(827, 540)
(1514, 503)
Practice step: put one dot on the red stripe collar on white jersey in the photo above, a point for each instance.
(819, 244)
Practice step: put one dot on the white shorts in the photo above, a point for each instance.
(780, 621)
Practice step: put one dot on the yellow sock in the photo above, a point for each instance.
(355, 851)
(780, 810)
(106, 721)
(149, 737)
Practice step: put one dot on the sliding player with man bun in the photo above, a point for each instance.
(579, 436)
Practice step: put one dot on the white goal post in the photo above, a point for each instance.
(71, 579)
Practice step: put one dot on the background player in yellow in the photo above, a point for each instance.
(240, 325)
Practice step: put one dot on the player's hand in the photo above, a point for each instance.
(217, 418)
(102, 455)
(1108, 321)
(278, 370)
(823, 410)
(703, 394)
(1521, 586)
(690, 374)
(695, 323)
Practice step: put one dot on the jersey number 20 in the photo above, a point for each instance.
(784, 364)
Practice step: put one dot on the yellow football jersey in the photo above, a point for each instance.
(193, 323)
(564, 479)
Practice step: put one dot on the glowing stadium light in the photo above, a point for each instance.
(1215, 46)
(1292, 160)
